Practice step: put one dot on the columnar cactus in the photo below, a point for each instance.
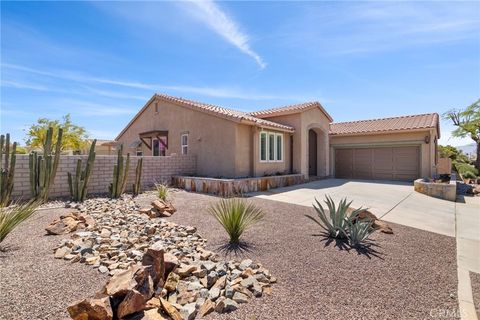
(120, 173)
(138, 175)
(78, 184)
(7, 169)
(43, 169)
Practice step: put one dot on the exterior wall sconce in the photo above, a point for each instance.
(427, 139)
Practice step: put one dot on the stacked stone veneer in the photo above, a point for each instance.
(155, 169)
(234, 187)
(446, 191)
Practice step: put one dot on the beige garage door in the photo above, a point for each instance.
(384, 163)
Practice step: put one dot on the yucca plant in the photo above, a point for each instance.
(162, 191)
(12, 216)
(236, 216)
(359, 231)
(337, 220)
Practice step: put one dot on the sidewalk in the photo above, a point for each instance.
(468, 251)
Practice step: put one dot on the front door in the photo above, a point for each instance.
(312, 153)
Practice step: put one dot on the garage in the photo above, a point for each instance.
(378, 163)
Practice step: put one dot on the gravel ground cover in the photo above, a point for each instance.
(475, 279)
(409, 274)
(413, 272)
(33, 284)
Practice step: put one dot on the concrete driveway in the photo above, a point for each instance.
(390, 200)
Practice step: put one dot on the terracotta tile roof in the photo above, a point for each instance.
(225, 113)
(290, 109)
(412, 122)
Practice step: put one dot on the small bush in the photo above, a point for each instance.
(466, 170)
(336, 221)
(162, 191)
(12, 216)
(359, 231)
(236, 216)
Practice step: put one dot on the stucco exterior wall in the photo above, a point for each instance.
(212, 140)
(427, 151)
(243, 151)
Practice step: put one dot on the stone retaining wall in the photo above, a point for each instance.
(155, 169)
(446, 191)
(233, 187)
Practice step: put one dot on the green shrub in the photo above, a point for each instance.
(162, 191)
(466, 170)
(236, 216)
(337, 220)
(12, 216)
(359, 231)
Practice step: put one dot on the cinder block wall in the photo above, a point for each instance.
(155, 169)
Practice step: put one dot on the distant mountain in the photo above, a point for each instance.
(469, 149)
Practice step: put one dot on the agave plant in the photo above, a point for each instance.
(162, 191)
(359, 231)
(337, 220)
(236, 216)
(12, 216)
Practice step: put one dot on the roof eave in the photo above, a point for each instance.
(294, 111)
(256, 124)
(378, 132)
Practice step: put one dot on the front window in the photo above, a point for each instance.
(159, 147)
(263, 146)
(139, 152)
(271, 147)
(184, 143)
(279, 144)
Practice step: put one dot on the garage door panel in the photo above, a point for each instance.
(344, 163)
(383, 163)
(362, 163)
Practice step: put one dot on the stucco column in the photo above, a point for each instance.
(304, 153)
(255, 151)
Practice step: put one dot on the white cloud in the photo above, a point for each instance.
(217, 92)
(366, 27)
(23, 85)
(220, 22)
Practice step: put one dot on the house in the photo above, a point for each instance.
(102, 147)
(300, 138)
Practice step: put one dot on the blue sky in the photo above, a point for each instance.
(101, 61)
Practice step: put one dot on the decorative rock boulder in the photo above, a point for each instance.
(69, 222)
(98, 309)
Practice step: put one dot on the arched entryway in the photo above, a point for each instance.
(317, 155)
(312, 153)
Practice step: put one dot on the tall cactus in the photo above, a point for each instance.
(138, 175)
(7, 169)
(43, 169)
(79, 183)
(120, 173)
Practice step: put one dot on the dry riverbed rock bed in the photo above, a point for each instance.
(195, 282)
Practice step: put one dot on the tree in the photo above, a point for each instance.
(453, 153)
(467, 122)
(74, 137)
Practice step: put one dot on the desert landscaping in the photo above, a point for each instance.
(241, 160)
(290, 270)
